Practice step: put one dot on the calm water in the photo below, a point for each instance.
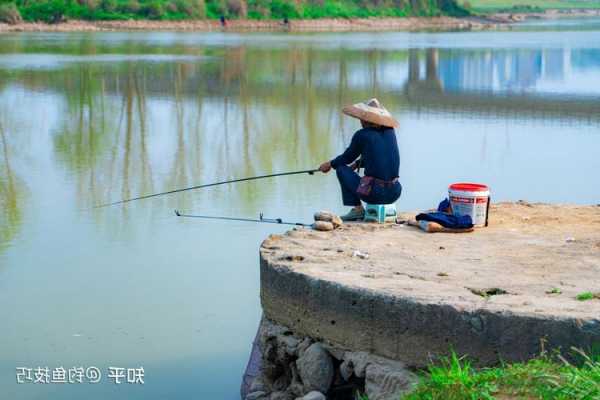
(91, 118)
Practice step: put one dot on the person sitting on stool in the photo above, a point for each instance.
(376, 146)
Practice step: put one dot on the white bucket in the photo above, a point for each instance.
(470, 199)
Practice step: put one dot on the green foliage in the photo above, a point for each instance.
(554, 291)
(44, 10)
(284, 9)
(57, 10)
(585, 296)
(526, 6)
(9, 13)
(153, 10)
(542, 378)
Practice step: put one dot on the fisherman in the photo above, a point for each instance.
(375, 149)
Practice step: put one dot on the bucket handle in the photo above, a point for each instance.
(487, 210)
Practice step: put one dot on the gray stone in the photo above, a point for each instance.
(257, 385)
(387, 381)
(315, 368)
(314, 395)
(333, 351)
(280, 396)
(357, 361)
(346, 369)
(305, 344)
(287, 344)
(259, 395)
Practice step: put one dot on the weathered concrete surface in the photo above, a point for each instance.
(415, 296)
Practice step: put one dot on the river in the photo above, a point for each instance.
(87, 118)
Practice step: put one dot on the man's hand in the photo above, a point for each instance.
(325, 167)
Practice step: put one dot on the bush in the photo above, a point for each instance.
(187, 7)
(237, 8)
(110, 6)
(153, 10)
(130, 7)
(283, 9)
(51, 11)
(10, 14)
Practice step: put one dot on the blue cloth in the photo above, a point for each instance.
(381, 194)
(444, 206)
(447, 220)
(378, 150)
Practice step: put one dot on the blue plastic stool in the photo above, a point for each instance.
(380, 213)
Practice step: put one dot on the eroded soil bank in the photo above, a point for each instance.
(313, 25)
(505, 292)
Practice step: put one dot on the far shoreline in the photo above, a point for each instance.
(441, 23)
(248, 25)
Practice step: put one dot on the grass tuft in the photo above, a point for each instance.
(544, 378)
(587, 296)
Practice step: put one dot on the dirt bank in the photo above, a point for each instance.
(508, 17)
(315, 25)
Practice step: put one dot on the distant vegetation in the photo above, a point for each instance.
(525, 6)
(13, 11)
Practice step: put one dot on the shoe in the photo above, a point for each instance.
(354, 215)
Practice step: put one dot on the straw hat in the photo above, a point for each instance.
(371, 111)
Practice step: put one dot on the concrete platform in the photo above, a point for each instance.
(502, 292)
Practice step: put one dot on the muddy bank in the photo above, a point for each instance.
(505, 292)
(508, 17)
(314, 25)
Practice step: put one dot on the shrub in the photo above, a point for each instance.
(52, 11)
(187, 7)
(237, 8)
(153, 10)
(90, 4)
(216, 8)
(283, 9)
(10, 14)
(191, 8)
(131, 7)
(109, 6)
(171, 7)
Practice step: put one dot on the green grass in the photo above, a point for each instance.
(544, 378)
(488, 6)
(587, 296)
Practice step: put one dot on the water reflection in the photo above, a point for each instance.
(11, 193)
(241, 110)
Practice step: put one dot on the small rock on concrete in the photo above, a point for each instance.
(323, 226)
(314, 395)
(328, 216)
(315, 368)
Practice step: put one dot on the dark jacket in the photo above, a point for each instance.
(378, 150)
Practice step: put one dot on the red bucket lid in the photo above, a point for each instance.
(469, 187)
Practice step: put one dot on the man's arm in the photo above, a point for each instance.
(351, 153)
(348, 156)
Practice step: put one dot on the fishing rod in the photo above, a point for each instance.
(261, 219)
(308, 171)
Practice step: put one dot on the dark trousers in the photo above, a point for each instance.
(381, 194)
